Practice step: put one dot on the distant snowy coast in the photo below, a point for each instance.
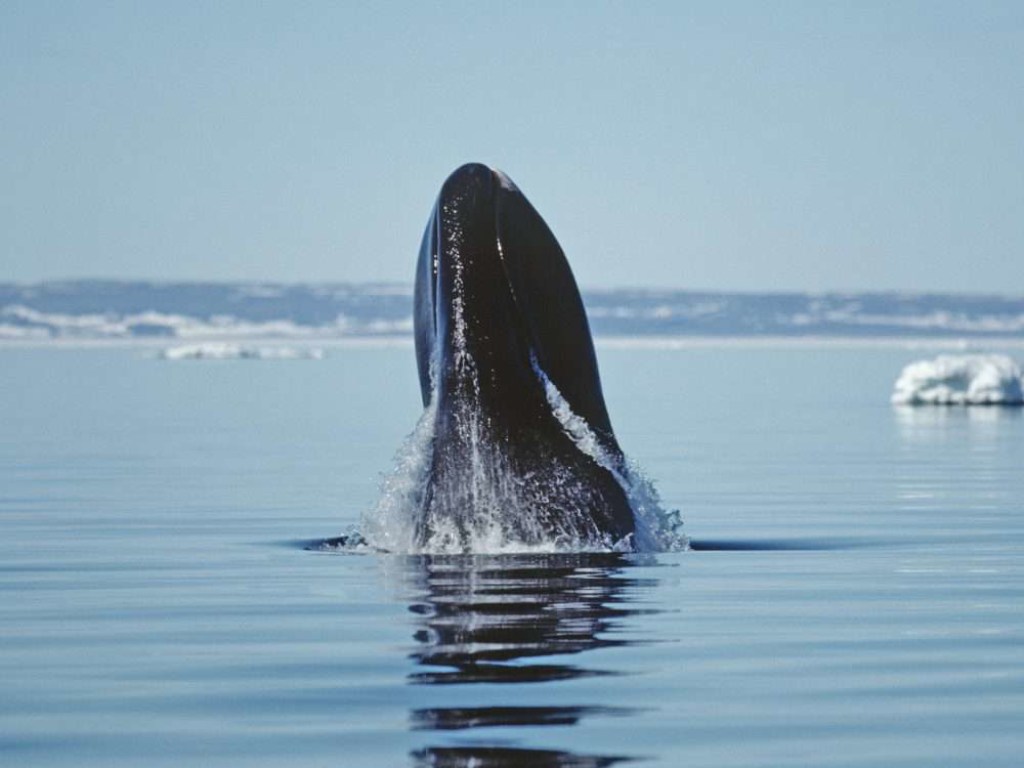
(91, 311)
(219, 350)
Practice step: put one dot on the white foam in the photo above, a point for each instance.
(960, 380)
(226, 351)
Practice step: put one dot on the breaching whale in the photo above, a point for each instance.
(521, 444)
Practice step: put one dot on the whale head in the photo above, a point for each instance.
(496, 301)
(521, 437)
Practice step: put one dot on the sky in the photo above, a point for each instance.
(764, 146)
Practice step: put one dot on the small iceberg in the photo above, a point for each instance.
(960, 380)
(224, 351)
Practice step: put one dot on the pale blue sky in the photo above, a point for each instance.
(752, 146)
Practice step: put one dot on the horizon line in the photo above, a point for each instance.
(583, 288)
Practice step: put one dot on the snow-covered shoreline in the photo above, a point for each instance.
(228, 351)
(243, 312)
(910, 343)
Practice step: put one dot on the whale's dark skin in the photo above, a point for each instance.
(495, 301)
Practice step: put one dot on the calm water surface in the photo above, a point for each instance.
(855, 598)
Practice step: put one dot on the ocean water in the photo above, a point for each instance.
(855, 596)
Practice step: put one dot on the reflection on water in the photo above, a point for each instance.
(515, 620)
(956, 466)
(925, 424)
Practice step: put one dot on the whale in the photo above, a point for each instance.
(521, 444)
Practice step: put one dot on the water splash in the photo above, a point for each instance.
(479, 504)
(391, 526)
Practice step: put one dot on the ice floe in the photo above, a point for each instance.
(960, 380)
